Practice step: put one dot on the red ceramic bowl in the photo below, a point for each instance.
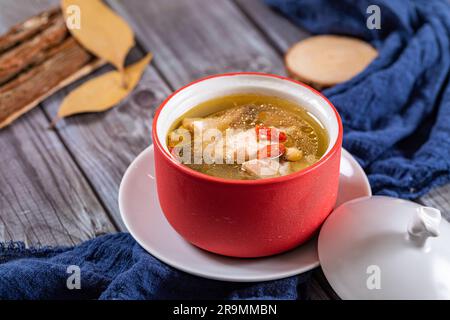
(251, 218)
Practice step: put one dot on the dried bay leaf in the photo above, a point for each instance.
(102, 92)
(101, 31)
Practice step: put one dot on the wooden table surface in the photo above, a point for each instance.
(59, 187)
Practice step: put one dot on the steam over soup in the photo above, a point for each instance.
(247, 136)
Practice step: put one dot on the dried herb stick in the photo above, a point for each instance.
(37, 58)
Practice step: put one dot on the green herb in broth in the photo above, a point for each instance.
(302, 139)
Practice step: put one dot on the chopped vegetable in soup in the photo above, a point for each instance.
(247, 136)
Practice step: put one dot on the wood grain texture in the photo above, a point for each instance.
(68, 62)
(315, 290)
(438, 198)
(30, 50)
(44, 198)
(322, 282)
(21, 52)
(281, 32)
(13, 12)
(24, 31)
(191, 40)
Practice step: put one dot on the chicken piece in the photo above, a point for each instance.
(200, 124)
(244, 145)
(262, 168)
(220, 121)
(266, 168)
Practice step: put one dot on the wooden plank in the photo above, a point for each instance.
(322, 282)
(105, 144)
(281, 32)
(438, 198)
(44, 198)
(192, 40)
(315, 290)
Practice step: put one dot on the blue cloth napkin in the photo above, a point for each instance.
(114, 266)
(396, 113)
(397, 123)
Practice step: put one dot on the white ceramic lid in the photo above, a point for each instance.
(386, 248)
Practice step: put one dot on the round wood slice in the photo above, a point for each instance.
(325, 60)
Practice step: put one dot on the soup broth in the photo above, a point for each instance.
(247, 136)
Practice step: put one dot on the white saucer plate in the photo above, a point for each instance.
(142, 215)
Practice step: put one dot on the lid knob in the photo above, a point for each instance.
(424, 224)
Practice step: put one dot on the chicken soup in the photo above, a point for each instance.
(247, 136)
